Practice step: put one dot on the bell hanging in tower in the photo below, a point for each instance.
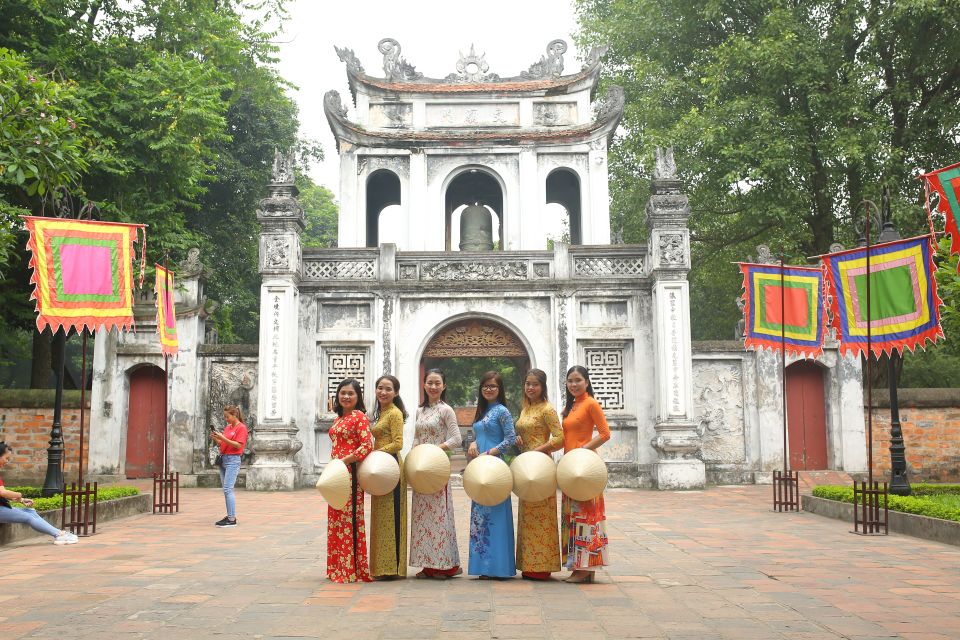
(476, 228)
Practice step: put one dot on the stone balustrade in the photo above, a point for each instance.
(385, 264)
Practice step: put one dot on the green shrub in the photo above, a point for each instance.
(931, 500)
(55, 502)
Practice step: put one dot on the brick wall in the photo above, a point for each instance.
(26, 428)
(930, 421)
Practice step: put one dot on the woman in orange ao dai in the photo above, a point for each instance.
(584, 527)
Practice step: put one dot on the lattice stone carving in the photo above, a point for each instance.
(345, 364)
(339, 270)
(593, 267)
(606, 376)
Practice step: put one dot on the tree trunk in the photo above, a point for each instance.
(40, 368)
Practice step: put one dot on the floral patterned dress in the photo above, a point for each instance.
(388, 529)
(433, 533)
(491, 528)
(584, 523)
(346, 535)
(538, 538)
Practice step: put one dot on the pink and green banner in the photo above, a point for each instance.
(903, 310)
(946, 183)
(166, 313)
(783, 309)
(82, 273)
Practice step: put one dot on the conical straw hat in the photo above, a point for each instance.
(487, 480)
(379, 473)
(427, 468)
(581, 474)
(534, 476)
(334, 484)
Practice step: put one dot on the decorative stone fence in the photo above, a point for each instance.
(930, 420)
(26, 416)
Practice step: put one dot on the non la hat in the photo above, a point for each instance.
(334, 484)
(427, 468)
(487, 480)
(379, 473)
(582, 474)
(534, 476)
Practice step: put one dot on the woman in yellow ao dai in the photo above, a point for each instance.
(538, 429)
(388, 532)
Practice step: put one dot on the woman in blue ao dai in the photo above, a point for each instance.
(491, 528)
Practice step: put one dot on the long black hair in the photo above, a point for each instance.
(586, 376)
(4, 447)
(397, 402)
(443, 379)
(482, 404)
(353, 382)
(542, 379)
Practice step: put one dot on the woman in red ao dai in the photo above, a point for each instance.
(351, 442)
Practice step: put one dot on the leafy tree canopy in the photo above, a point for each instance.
(160, 111)
(784, 117)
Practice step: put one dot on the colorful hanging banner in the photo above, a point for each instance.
(166, 314)
(946, 182)
(81, 273)
(904, 308)
(786, 314)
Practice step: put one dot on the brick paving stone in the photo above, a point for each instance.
(711, 564)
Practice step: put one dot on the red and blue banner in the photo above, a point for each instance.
(903, 309)
(166, 313)
(946, 183)
(82, 273)
(783, 308)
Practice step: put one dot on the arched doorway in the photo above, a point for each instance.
(383, 191)
(465, 350)
(146, 421)
(473, 186)
(563, 188)
(806, 416)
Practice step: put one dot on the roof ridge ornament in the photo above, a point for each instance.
(611, 104)
(395, 68)
(550, 65)
(350, 58)
(283, 167)
(596, 52)
(472, 68)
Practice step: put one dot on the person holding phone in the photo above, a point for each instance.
(232, 441)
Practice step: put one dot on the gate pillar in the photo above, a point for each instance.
(274, 442)
(678, 439)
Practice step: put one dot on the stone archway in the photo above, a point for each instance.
(467, 345)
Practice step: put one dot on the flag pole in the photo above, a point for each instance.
(783, 366)
(869, 359)
(83, 398)
(166, 372)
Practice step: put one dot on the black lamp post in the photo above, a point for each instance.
(898, 458)
(53, 482)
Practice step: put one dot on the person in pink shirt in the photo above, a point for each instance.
(232, 441)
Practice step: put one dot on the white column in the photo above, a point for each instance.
(595, 224)
(349, 219)
(530, 223)
(418, 204)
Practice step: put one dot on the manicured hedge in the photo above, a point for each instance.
(920, 503)
(55, 502)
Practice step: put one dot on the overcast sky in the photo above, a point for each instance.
(513, 34)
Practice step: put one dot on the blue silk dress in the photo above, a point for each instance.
(491, 528)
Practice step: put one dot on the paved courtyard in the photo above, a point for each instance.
(711, 564)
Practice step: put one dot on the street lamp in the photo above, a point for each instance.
(53, 482)
(898, 458)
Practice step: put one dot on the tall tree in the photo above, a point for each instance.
(784, 115)
(183, 113)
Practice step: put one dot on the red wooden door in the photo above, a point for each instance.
(806, 418)
(145, 423)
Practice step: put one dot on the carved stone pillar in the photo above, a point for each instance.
(678, 439)
(275, 441)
